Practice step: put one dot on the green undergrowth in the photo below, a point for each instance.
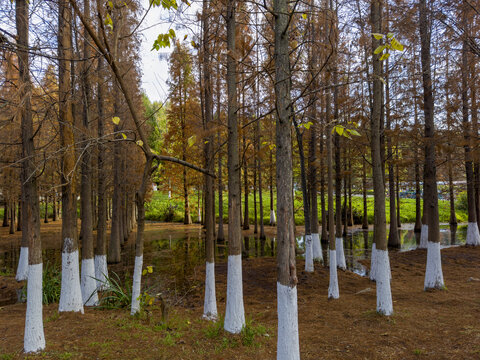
(161, 208)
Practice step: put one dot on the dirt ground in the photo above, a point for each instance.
(425, 325)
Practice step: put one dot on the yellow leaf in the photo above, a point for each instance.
(185, 37)
(150, 269)
(150, 302)
(389, 35)
(354, 132)
(191, 140)
(377, 36)
(304, 16)
(384, 56)
(124, 136)
(144, 272)
(379, 49)
(339, 129)
(307, 125)
(382, 80)
(396, 45)
(116, 120)
(139, 142)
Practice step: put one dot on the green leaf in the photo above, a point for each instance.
(171, 32)
(354, 132)
(389, 35)
(377, 36)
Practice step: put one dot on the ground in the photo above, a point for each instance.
(426, 325)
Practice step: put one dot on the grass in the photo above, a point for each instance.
(161, 208)
(52, 281)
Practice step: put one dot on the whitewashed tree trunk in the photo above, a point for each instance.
(333, 292)
(433, 273)
(235, 314)
(473, 236)
(287, 341)
(373, 263)
(317, 248)
(210, 303)
(384, 294)
(339, 253)
(423, 237)
(308, 254)
(101, 272)
(70, 293)
(34, 339)
(88, 283)
(273, 220)
(137, 282)
(22, 268)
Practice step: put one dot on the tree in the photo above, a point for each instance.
(287, 340)
(433, 273)
(380, 260)
(234, 313)
(70, 295)
(34, 339)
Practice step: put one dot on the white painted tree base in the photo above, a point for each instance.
(34, 338)
(317, 248)
(333, 292)
(210, 302)
(384, 293)
(234, 313)
(340, 253)
(22, 268)
(273, 220)
(434, 273)
(70, 293)
(373, 263)
(136, 286)
(88, 283)
(287, 309)
(473, 236)
(101, 272)
(423, 237)
(308, 254)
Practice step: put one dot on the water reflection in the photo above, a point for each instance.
(178, 255)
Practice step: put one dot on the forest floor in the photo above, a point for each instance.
(425, 325)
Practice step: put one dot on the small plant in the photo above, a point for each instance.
(6, 272)
(117, 295)
(418, 352)
(52, 282)
(249, 332)
(214, 329)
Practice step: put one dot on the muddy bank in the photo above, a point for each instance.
(430, 325)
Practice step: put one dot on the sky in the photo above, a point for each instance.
(155, 63)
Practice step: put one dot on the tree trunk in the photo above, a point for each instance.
(210, 303)
(364, 195)
(393, 238)
(433, 274)
(5, 212)
(87, 277)
(34, 339)
(235, 315)
(101, 269)
(70, 294)
(380, 260)
(287, 341)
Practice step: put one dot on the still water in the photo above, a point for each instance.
(178, 253)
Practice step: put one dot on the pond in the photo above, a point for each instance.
(177, 253)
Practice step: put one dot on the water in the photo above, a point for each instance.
(177, 253)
